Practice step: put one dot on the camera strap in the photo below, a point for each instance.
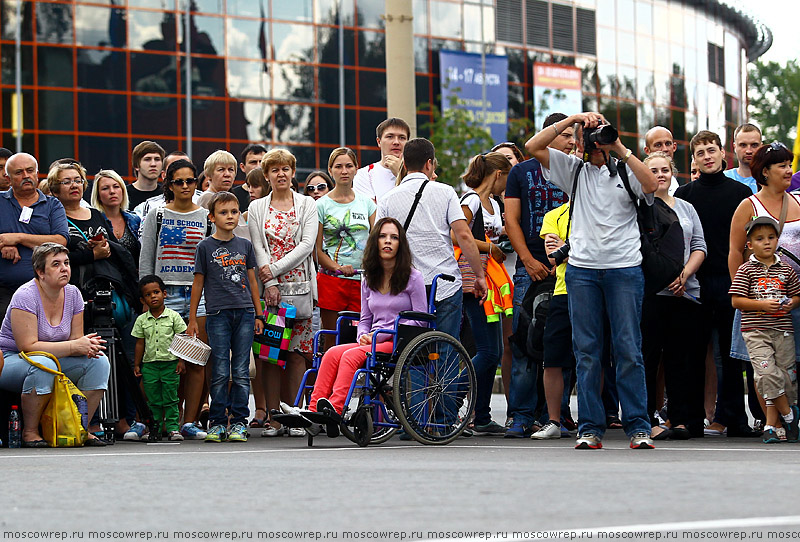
(572, 197)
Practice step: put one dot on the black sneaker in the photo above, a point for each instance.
(491, 428)
(793, 427)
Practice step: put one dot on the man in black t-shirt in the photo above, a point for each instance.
(148, 164)
(250, 159)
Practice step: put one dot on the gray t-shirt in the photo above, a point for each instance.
(171, 254)
(693, 239)
(225, 265)
(604, 232)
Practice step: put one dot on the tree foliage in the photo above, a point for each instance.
(457, 138)
(775, 98)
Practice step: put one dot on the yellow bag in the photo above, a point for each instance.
(63, 418)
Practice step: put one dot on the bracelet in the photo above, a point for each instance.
(627, 155)
(262, 318)
(555, 128)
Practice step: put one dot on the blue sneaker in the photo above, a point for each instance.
(793, 429)
(238, 433)
(216, 434)
(771, 436)
(518, 430)
(136, 432)
(191, 432)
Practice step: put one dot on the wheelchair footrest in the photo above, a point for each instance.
(291, 420)
(319, 417)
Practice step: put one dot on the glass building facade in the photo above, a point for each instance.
(98, 76)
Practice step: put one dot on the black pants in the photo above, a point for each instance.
(718, 315)
(672, 334)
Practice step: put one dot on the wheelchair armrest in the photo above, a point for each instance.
(415, 315)
(352, 315)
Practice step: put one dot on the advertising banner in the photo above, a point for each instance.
(556, 89)
(461, 75)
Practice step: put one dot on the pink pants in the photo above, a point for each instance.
(336, 371)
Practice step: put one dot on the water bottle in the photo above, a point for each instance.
(14, 428)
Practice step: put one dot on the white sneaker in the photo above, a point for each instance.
(288, 409)
(270, 431)
(175, 436)
(549, 431)
(297, 432)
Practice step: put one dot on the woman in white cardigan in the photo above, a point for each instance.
(283, 228)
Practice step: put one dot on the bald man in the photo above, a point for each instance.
(659, 138)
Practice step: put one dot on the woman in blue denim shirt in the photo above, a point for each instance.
(110, 197)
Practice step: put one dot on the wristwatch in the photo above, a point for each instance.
(261, 317)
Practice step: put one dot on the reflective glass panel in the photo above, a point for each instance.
(8, 16)
(149, 30)
(208, 119)
(156, 4)
(627, 82)
(294, 10)
(54, 66)
(55, 110)
(208, 76)
(54, 23)
(52, 147)
(644, 52)
(369, 13)
(626, 50)
(248, 8)
(372, 88)
(7, 65)
(420, 10)
(327, 11)
(293, 42)
(645, 88)
(607, 45)
(293, 82)
(627, 117)
(294, 123)
(248, 38)
(102, 69)
(625, 14)
(646, 117)
(98, 153)
(100, 26)
(250, 120)
(472, 27)
(209, 38)
(420, 54)
(448, 19)
(607, 78)
(329, 125)
(644, 17)
(157, 115)
(372, 49)
(207, 6)
(248, 79)
(99, 112)
(663, 88)
(153, 73)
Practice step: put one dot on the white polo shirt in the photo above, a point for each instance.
(429, 231)
(374, 181)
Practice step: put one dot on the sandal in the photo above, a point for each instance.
(613, 422)
(258, 421)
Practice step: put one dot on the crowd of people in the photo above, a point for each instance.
(547, 255)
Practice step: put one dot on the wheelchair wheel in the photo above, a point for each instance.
(379, 434)
(362, 426)
(434, 388)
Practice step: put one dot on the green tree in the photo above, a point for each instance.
(457, 138)
(774, 99)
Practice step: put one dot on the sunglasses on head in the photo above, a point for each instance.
(317, 187)
(503, 145)
(776, 146)
(184, 182)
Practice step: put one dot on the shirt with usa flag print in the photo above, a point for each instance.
(170, 252)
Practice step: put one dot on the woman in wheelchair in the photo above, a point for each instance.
(390, 286)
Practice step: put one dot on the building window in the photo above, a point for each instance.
(508, 22)
(716, 64)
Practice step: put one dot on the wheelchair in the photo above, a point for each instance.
(426, 385)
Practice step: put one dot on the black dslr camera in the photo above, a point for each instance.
(560, 254)
(604, 134)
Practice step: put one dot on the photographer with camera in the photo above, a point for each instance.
(604, 274)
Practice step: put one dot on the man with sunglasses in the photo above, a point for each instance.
(746, 141)
(378, 178)
(715, 197)
(28, 218)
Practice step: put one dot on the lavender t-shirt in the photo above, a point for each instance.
(27, 298)
(378, 310)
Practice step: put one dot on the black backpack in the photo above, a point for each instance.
(662, 239)
(529, 337)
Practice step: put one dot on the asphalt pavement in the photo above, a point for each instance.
(279, 488)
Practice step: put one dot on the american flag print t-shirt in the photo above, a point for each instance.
(169, 251)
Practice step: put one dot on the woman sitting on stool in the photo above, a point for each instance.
(46, 314)
(390, 286)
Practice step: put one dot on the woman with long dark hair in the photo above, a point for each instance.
(390, 286)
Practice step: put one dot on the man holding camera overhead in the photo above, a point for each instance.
(604, 274)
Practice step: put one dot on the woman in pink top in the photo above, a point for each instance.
(390, 286)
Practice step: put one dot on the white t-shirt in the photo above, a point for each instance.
(374, 181)
(605, 233)
(429, 230)
(492, 221)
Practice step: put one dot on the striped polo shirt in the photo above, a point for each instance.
(756, 280)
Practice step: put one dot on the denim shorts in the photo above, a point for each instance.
(87, 374)
(179, 298)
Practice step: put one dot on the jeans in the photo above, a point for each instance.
(489, 342)
(522, 390)
(617, 293)
(87, 374)
(230, 335)
(448, 314)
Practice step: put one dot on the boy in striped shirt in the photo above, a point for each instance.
(766, 289)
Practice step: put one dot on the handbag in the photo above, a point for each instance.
(66, 415)
(298, 294)
(272, 345)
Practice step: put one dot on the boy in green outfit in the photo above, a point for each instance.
(158, 368)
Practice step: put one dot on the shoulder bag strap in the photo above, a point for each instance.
(784, 211)
(39, 366)
(414, 205)
(572, 197)
(478, 228)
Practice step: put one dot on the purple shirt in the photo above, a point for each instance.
(795, 183)
(378, 310)
(27, 298)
